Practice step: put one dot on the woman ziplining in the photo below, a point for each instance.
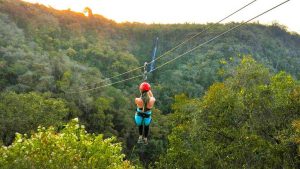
(143, 112)
(145, 103)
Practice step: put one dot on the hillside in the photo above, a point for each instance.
(48, 56)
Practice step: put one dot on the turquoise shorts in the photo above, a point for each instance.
(142, 118)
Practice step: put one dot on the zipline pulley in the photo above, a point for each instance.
(145, 71)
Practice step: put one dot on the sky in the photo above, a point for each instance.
(185, 11)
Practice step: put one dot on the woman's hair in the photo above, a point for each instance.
(145, 99)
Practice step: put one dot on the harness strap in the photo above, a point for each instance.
(146, 114)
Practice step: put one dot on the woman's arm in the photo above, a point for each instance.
(151, 100)
(150, 94)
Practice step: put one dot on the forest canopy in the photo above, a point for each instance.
(233, 103)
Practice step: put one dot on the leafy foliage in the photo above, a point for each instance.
(63, 53)
(71, 147)
(245, 122)
(25, 112)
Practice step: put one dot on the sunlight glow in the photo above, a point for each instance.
(183, 11)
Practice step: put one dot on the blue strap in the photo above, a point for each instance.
(153, 56)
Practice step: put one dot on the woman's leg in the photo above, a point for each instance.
(146, 131)
(138, 121)
(147, 122)
(140, 139)
(141, 130)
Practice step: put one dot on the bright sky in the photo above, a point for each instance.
(184, 11)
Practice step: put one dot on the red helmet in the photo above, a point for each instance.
(144, 87)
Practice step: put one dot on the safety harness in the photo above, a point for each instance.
(143, 114)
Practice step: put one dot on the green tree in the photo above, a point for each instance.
(48, 50)
(24, 112)
(71, 147)
(244, 122)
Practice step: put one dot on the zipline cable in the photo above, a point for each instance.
(106, 79)
(110, 84)
(199, 33)
(174, 48)
(204, 43)
(218, 36)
